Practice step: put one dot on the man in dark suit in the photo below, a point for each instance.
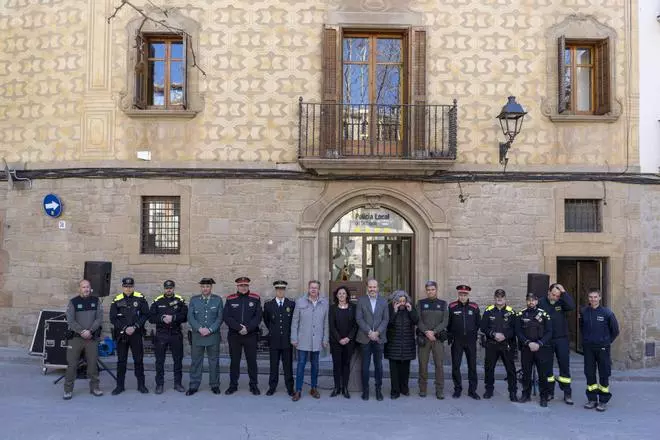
(372, 316)
(277, 317)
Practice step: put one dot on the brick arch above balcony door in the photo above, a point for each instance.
(427, 220)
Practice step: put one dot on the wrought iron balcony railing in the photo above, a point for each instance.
(408, 131)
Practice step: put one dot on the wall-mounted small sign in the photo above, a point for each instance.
(52, 206)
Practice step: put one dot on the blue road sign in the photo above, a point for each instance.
(52, 205)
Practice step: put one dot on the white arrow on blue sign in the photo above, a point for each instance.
(52, 205)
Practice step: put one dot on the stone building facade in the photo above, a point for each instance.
(253, 199)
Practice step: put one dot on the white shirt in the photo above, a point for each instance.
(280, 302)
(373, 304)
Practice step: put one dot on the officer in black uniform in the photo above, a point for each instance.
(498, 326)
(277, 317)
(168, 312)
(129, 312)
(463, 326)
(242, 314)
(534, 331)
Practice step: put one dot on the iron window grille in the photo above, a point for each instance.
(583, 215)
(161, 227)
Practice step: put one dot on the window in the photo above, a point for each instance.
(584, 77)
(160, 72)
(161, 229)
(583, 215)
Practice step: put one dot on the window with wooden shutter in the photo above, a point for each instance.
(603, 77)
(584, 77)
(161, 77)
(419, 88)
(140, 96)
(330, 104)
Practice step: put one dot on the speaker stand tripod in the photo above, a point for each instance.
(82, 362)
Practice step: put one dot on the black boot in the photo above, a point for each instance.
(141, 388)
(118, 390)
(345, 393)
(335, 392)
(379, 394)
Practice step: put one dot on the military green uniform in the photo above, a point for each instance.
(205, 312)
(432, 316)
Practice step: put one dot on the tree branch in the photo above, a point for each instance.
(146, 17)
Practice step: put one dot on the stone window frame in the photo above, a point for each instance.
(595, 206)
(137, 29)
(579, 27)
(156, 189)
(170, 225)
(581, 190)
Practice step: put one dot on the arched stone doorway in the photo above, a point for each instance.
(427, 223)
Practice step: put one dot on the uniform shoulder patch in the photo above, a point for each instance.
(508, 309)
(473, 305)
(118, 297)
(138, 295)
(453, 304)
(490, 307)
(179, 297)
(232, 296)
(159, 297)
(254, 295)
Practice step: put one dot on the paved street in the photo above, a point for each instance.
(32, 408)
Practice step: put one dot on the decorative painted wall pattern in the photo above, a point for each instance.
(261, 56)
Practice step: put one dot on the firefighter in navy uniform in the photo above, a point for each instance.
(557, 303)
(498, 325)
(242, 314)
(168, 312)
(534, 331)
(462, 327)
(129, 312)
(599, 329)
(277, 317)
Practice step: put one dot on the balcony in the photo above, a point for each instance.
(372, 138)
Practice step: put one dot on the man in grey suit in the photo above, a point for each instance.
(372, 317)
(205, 317)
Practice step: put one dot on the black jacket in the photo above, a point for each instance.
(129, 311)
(278, 322)
(598, 326)
(335, 335)
(464, 320)
(557, 312)
(533, 325)
(173, 305)
(243, 309)
(400, 344)
(496, 320)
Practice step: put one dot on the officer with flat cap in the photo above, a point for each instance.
(129, 313)
(463, 326)
(205, 317)
(498, 324)
(242, 315)
(168, 312)
(277, 317)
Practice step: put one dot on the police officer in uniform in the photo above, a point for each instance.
(463, 326)
(129, 313)
(205, 319)
(168, 312)
(242, 315)
(277, 317)
(534, 331)
(599, 329)
(498, 325)
(556, 304)
(431, 334)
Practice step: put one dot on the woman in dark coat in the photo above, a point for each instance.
(400, 347)
(343, 327)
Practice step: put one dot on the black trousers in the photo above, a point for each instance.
(399, 375)
(597, 357)
(542, 359)
(341, 363)
(174, 342)
(561, 350)
(134, 342)
(459, 347)
(248, 345)
(285, 355)
(495, 351)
